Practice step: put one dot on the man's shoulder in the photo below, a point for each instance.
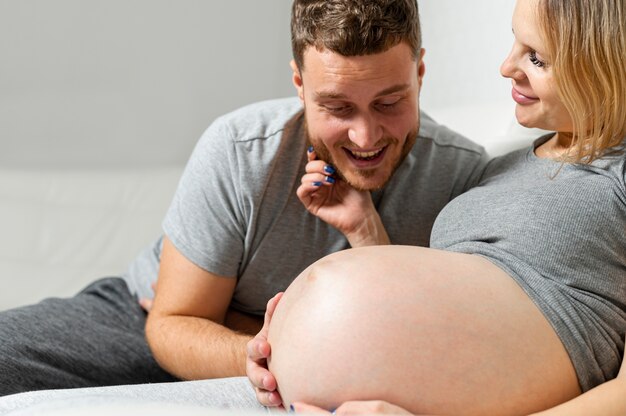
(437, 135)
(259, 120)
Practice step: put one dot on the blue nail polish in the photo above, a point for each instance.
(330, 179)
(316, 184)
(329, 169)
(291, 409)
(310, 149)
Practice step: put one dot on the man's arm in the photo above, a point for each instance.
(185, 328)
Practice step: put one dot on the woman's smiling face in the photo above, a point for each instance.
(529, 68)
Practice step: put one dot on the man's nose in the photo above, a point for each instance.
(365, 132)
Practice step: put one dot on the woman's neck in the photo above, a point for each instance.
(556, 147)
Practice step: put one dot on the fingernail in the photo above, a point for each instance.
(310, 149)
(329, 169)
(316, 184)
(330, 179)
(291, 409)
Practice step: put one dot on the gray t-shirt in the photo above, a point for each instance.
(236, 212)
(559, 231)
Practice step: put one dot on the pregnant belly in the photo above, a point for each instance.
(432, 331)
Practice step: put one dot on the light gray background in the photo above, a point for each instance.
(134, 82)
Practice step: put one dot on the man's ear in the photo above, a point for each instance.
(297, 79)
(421, 68)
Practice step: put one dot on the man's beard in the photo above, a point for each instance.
(324, 154)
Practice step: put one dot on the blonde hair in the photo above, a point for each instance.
(586, 40)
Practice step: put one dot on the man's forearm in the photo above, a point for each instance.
(194, 348)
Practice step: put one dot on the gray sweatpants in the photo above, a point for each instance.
(64, 347)
(95, 338)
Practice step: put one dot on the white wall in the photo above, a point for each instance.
(119, 82)
(133, 83)
(91, 82)
(465, 43)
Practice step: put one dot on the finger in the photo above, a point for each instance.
(258, 348)
(260, 377)
(306, 191)
(299, 407)
(315, 166)
(146, 304)
(272, 303)
(268, 399)
(317, 179)
(269, 311)
(370, 407)
(310, 154)
(319, 166)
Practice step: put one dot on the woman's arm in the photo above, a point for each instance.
(607, 399)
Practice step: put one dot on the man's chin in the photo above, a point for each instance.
(362, 183)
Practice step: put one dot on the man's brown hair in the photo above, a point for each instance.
(354, 27)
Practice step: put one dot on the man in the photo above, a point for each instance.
(254, 208)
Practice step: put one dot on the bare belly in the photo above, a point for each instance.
(432, 331)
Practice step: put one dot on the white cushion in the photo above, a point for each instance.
(63, 229)
(490, 125)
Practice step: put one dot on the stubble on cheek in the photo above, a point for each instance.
(323, 153)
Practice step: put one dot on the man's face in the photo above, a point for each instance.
(362, 112)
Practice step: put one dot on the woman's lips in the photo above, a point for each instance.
(520, 98)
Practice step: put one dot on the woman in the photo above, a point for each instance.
(521, 305)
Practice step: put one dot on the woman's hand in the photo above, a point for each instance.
(335, 202)
(371, 407)
(258, 351)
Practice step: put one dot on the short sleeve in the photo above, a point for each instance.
(205, 221)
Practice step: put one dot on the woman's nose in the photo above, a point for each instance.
(510, 67)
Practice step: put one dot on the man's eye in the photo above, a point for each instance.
(336, 109)
(387, 105)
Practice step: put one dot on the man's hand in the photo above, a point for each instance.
(146, 303)
(335, 202)
(259, 351)
(372, 407)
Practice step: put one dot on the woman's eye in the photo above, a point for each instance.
(532, 56)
